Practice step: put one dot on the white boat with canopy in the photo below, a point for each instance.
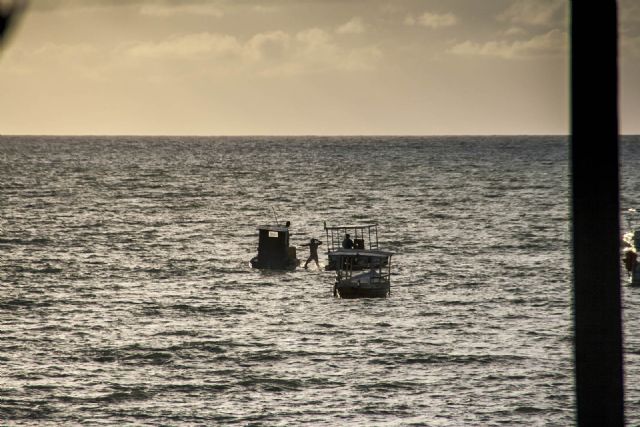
(371, 278)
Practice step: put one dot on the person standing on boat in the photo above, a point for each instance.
(347, 243)
(313, 252)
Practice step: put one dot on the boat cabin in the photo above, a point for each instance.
(364, 237)
(274, 251)
(362, 273)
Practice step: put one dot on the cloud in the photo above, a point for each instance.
(354, 26)
(272, 45)
(550, 44)
(514, 31)
(265, 8)
(409, 20)
(317, 51)
(533, 12)
(190, 45)
(166, 10)
(66, 51)
(432, 20)
(361, 59)
(75, 59)
(314, 37)
(269, 53)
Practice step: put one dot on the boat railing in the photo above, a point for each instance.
(364, 236)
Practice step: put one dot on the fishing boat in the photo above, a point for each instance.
(372, 278)
(274, 251)
(365, 237)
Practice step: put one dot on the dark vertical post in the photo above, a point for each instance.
(595, 212)
(326, 232)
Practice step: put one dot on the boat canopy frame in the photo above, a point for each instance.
(336, 234)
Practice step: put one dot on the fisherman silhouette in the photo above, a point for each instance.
(347, 243)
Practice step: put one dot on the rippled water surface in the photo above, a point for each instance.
(126, 294)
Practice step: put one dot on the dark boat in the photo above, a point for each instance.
(274, 251)
(373, 274)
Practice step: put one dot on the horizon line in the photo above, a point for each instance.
(290, 135)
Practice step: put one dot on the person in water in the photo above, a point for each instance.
(313, 252)
(347, 243)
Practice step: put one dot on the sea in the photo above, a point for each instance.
(127, 296)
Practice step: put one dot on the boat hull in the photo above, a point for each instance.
(354, 290)
(291, 264)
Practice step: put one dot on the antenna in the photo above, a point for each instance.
(275, 215)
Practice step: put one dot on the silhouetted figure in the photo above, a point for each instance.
(630, 259)
(313, 251)
(347, 243)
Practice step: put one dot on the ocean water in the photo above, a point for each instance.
(126, 295)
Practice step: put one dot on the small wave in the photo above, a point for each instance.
(41, 241)
(46, 270)
(325, 325)
(271, 384)
(528, 410)
(192, 388)
(19, 303)
(122, 396)
(46, 387)
(180, 333)
(88, 225)
(205, 346)
(390, 386)
(463, 359)
(19, 410)
(151, 358)
(383, 324)
(264, 356)
(210, 310)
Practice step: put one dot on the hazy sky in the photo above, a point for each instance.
(241, 67)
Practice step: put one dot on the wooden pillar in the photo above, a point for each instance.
(596, 213)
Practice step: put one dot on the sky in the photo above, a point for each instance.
(298, 67)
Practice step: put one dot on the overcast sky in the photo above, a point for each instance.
(248, 67)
